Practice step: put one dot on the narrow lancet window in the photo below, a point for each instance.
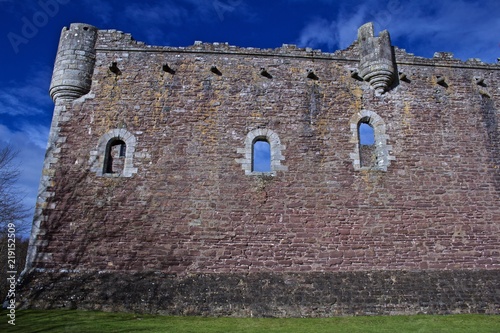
(261, 155)
(371, 151)
(367, 148)
(115, 156)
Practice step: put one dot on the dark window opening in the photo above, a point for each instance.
(261, 155)
(367, 148)
(114, 161)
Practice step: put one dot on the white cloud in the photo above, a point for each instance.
(36, 134)
(14, 103)
(31, 152)
(175, 13)
(155, 19)
(30, 142)
(348, 24)
(26, 98)
(425, 26)
(339, 32)
(317, 33)
(158, 20)
(159, 13)
(23, 105)
(466, 28)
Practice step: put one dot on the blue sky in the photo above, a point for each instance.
(31, 29)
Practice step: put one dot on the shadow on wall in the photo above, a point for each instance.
(489, 113)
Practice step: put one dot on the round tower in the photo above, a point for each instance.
(72, 75)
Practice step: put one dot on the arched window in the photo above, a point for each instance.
(371, 151)
(114, 160)
(367, 148)
(261, 155)
(114, 156)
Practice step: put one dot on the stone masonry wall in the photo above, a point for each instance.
(190, 208)
(266, 294)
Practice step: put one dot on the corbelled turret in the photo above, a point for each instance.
(72, 75)
(376, 63)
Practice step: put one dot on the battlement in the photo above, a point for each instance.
(118, 40)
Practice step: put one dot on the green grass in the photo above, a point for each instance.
(54, 321)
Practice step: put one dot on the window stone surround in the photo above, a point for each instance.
(97, 157)
(382, 149)
(276, 152)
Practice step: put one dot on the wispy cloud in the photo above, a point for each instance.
(349, 23)
(30, 142)
(35, 134)
(335, 33)
(158, 19)
(449, 26)
(155, 19)
(318, 33)
(175, 13)
(420, 25)
(158, 13)
(24, 106)
(26, 98)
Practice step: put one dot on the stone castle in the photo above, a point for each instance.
(151, 200)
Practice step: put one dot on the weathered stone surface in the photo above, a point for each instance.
(270, 294)
(188, 203)
(72, 75)
(376, 63)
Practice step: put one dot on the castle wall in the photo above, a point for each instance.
(187, 202)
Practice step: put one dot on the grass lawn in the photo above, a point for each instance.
(54, 321)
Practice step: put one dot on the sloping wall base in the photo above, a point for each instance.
(268, 294)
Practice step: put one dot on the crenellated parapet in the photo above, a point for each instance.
(74, 64)
(376, 60)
